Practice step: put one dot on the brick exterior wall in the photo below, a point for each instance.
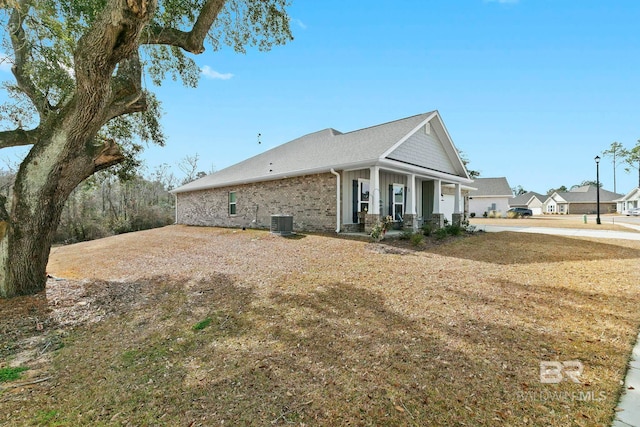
(590, 208)
(311, 199)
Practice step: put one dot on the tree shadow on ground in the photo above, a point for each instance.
(507, 248)
(337, 354)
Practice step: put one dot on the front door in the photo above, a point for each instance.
(427, 199)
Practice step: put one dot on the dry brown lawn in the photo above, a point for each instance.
(203, 326)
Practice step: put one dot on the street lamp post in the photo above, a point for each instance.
(597, 159)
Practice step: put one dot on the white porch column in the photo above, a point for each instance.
(411, 197)
(457, 206)
(374, 184)
(437, 193)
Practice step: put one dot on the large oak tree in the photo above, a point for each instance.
(79, 102)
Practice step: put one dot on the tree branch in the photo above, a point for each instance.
(21, 50)
(126, 89)
(109, 156)
(18, 138)
(191, 41)
(113, 37)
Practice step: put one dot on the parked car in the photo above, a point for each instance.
(634, 212)
(520, 211)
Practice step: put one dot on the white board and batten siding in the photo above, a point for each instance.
(386, 179)
(347, 192)
(426, 150)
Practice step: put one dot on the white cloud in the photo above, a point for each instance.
(213, 74)
(299, 23)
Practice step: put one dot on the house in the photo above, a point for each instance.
(581, 200)
(629, 201)
(491, 195)
(334, 181)
(530, 200)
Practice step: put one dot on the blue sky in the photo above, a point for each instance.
(529, 89)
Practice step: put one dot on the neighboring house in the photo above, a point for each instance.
(334, 181)
(581, 200)
(530, 200)
(629, 201)
(491, 195)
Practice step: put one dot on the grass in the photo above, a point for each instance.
(202, 324)
(11, 374)
(346, 332)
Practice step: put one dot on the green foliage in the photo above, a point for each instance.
(441, 233)
(48, 418)
(262, 24)
(632, 160)
(519, 190)
(416, 239)
(405, 235)
(10, 374)
(202, 324)
(454, 229)
(104, 205)
(381, 227)
(53, 29)
(427, 228)
(560, 189)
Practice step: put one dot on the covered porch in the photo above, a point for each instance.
(411, 197)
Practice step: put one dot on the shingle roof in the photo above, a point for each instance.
(523, 199)
(487, 187)
(314, 153)
(587, 194)
(631, 195)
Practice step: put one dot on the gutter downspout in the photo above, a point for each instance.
(337, 199)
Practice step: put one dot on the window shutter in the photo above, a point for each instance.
(354, 203)
(391, 200)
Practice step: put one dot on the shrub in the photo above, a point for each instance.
(441, 233)
(376, 232)
(427, 229)
(381, 227)
(416, 239)
(514, 215)
(485, 214)
(454, 229)
(405, 235)
(472, 214)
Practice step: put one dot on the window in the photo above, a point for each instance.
(363, 195)
(232, 202)
(398, 202)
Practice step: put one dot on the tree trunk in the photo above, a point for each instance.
(44, 182)
(66, 151)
